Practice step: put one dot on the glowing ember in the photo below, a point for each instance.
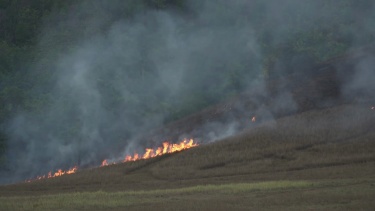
(104, 163)
(253, 119)
(149, 153)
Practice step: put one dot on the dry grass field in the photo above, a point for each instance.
(316, 160)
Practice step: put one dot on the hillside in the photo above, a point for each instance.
(330, 149)
(83, 81)
(279, 98)
(318, 86)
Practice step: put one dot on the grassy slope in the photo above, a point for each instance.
(321, 159)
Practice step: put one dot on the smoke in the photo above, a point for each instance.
(361, 86)
(117, 70)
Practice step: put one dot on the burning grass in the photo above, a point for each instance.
(305, 153)
(167, 148)
(315, 139)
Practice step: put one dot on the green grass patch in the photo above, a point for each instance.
(232, 188)
(102, 200)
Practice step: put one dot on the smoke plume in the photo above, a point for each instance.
(118, 69)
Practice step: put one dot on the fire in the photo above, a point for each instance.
(104, 163)
(373, 107)
(58, 173)
(149, 153)
(165, 149)
(253, 119)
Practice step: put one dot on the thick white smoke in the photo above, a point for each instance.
(119, 69)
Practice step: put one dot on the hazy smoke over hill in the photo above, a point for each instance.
(116, 76)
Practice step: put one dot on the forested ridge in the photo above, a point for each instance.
(29, 49)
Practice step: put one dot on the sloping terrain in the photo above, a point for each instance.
(311, 87)
(329, 149)
(323, 148)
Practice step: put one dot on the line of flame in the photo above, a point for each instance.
(58, 173)
(149, 153)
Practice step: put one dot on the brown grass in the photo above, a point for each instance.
(319, 147)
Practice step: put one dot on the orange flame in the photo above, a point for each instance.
(167, 148)
(58, 173)
(149, 153)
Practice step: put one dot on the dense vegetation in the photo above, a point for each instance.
(26, 63)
